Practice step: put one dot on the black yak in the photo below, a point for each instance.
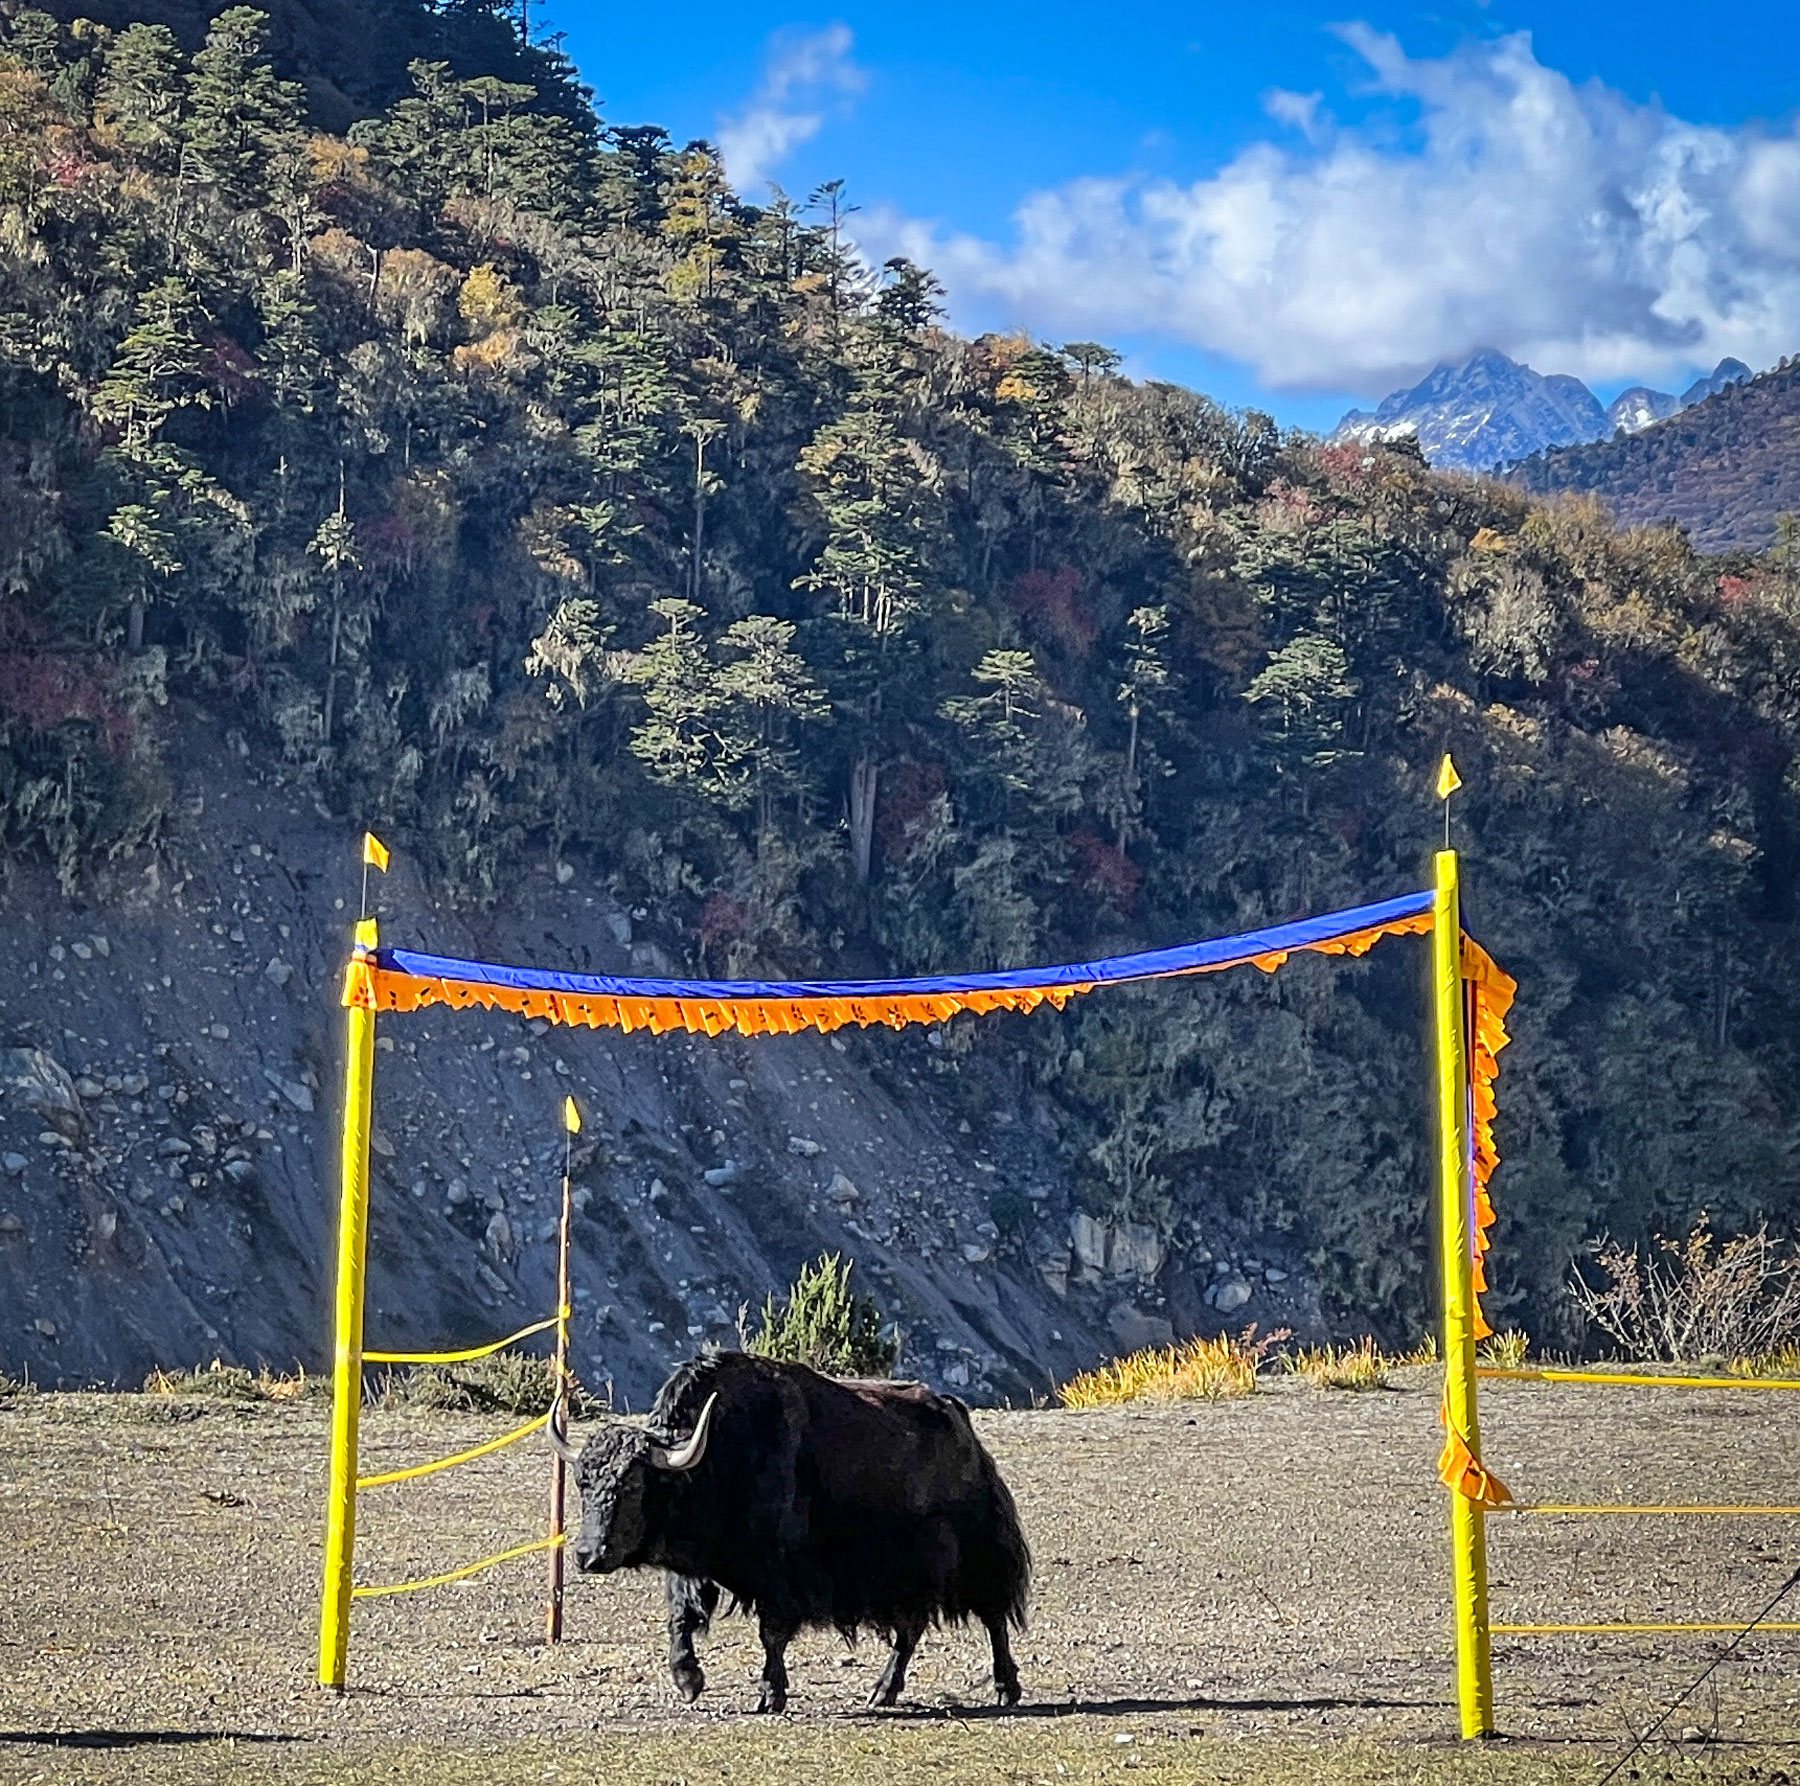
(813, 1502)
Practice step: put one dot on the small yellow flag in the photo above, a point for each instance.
(571, 1117)
(375, 853)
(1448, 780)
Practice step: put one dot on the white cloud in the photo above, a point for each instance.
(1494, 203)
(804, 78)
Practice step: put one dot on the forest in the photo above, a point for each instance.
(528, 495)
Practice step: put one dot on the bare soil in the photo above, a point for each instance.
(1226, 1591)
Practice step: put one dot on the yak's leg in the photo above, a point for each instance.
(692, 1602)
(893, 1677)
(776, 1635)
(1006, 1670)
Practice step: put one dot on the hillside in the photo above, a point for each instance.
(1723, 469)
(351, 56)
(508, 484)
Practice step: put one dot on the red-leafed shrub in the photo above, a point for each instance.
(906, 796)
(1103, 869)
(1050, 604)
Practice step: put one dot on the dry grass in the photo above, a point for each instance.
(1506, 1351)
(1362, 1366)
(1191, 1370)
(945, 1750)
(1783, 1362)
(236, 1383)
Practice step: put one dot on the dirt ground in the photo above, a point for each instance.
(1229, 1591)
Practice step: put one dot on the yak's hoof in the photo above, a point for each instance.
(1007, 1692)
(690, 1683)
(773, 1699)
(886, 1693)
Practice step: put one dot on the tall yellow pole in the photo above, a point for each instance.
(346, 1380)
(1468, 1535)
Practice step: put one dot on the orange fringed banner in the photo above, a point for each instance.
(1492, 991)
(372, 983)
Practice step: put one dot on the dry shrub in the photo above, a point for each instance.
(505, 1383)
(1685, 1301)
(236, 1383)
(1190, 1370)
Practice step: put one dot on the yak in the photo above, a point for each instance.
(813, 1502)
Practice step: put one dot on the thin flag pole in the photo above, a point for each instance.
(553, 1616)
(1448, 782)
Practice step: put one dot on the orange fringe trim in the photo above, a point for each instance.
(1492, 993)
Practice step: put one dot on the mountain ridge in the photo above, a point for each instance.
(1487, 411)
(1724, 468)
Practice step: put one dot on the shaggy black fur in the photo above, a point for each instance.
(818, 1502)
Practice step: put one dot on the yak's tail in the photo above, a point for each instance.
(1011, 1583)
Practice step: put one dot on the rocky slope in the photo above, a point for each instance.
(169, 1133)
(1489, 410)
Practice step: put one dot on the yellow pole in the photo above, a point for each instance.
(553, 1615)
(346, 1381)
(1468, 1536)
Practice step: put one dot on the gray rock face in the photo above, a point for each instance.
(1484, 411)
(1488, 411)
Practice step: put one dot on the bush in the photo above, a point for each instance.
(504, 1383)
(1693, 1300)
(823, 1324)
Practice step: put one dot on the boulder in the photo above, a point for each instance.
(1229, 1294)
(1134, 1250)
(805, 1148)
(1087, 1235)
(46, 1090)
(842, 1190)
(1133, 1330)
(296, 1093)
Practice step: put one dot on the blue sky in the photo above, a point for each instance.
(1283, 204)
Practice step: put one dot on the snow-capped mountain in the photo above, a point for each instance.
(1487, 411)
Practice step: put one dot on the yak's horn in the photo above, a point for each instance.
(687, 1454)
(556, 1431)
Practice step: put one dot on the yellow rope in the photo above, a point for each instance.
(1638, 1380)
(462, 1457)
(468, 1356)
(1617, 1630)
(438, 1581)
(1741, 1511)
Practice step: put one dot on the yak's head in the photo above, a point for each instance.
(618, 1473)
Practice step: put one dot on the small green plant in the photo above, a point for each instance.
(823, 1323)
